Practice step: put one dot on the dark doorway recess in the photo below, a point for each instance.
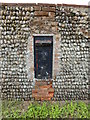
(43, 56)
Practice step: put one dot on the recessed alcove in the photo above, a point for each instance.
(43, 57)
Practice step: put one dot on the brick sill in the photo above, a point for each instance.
(43, 90)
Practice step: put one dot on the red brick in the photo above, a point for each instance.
(19, 4)
(43, 91)
(73, 5)
(51, 14)
(40, 13)
(46, 86)
(35, 91)
(51, 90)
(37, 8)
(51, 95)
(49, 9)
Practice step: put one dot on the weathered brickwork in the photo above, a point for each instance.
(68, 24)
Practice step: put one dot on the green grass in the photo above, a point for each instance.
(14, 109)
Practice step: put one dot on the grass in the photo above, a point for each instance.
(16, 109)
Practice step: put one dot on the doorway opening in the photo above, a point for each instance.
(43, 57)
